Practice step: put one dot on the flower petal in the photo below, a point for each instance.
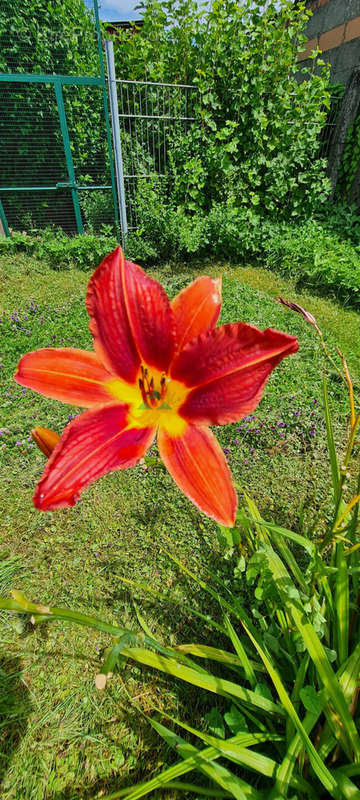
(73, 376)
(198, 466)
(130, 318)
(95, 443)
(109, 322)
(228, 399)
(228, 369)
(196, 309)
(150, 316)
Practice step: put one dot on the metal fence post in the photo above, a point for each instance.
(110, 62)
(106, 110)
(3, 221)
(68, 154)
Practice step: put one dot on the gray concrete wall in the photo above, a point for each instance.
(335, 28)
(331, 14)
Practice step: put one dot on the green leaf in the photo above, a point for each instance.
(319, 768)
(330, 439)
(202, 760)
(294, 537)
(215, 723)
(221, 775)
(203, 680)
(242, 655)
(311, 700)
(263, 690)
(314, 646)
(215, 654)
(235, 720)
(342, 604)
(237, 750)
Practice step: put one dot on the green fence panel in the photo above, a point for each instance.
(56, 161)
(68, 156)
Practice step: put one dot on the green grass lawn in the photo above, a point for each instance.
(61, 738)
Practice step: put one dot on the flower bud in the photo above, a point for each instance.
(300, 310)
(45, 439)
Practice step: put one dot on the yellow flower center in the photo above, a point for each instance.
(154, 400)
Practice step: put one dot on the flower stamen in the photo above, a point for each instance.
(151, 397)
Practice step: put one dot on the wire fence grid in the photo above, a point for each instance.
(56, 165)
(151, 116)
(327, 132)
(24, 50)
(35, 184)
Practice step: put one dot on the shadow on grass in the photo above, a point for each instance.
(15, 708)
(151, 751)
(179, 610)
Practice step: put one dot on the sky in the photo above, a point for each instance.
(113, 10)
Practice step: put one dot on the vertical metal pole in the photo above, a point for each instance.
(109, 50)
(106, 110)
(68, 154)
(3, 221)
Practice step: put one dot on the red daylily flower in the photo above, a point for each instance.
(157, 367)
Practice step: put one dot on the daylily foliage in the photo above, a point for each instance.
(158, 367)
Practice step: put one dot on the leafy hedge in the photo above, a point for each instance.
(315, 258)
(255, 142)
(312, 253)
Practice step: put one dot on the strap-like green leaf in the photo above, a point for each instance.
(330, 439)
(240, 650)
(327, 677)
(341, 604)
(204, 680)
(216, 654)
(239, 752)
(220, 774)
(287, 534)
(199, 759)
(319, 768)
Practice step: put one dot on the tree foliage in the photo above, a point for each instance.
(257, 142)
(49, 37)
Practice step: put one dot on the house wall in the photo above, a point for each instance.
(335, 29)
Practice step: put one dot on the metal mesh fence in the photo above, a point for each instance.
(48, 40)
(32, 155)
(327, 133)
(55, 142)
(151, 115)
(35, 182)
(87, 132)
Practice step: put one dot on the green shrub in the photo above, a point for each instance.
(343, 220)
(314, 257)
(313, 253)
(96, 206)
(56, 37)
(60, 251)
(256, 136)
